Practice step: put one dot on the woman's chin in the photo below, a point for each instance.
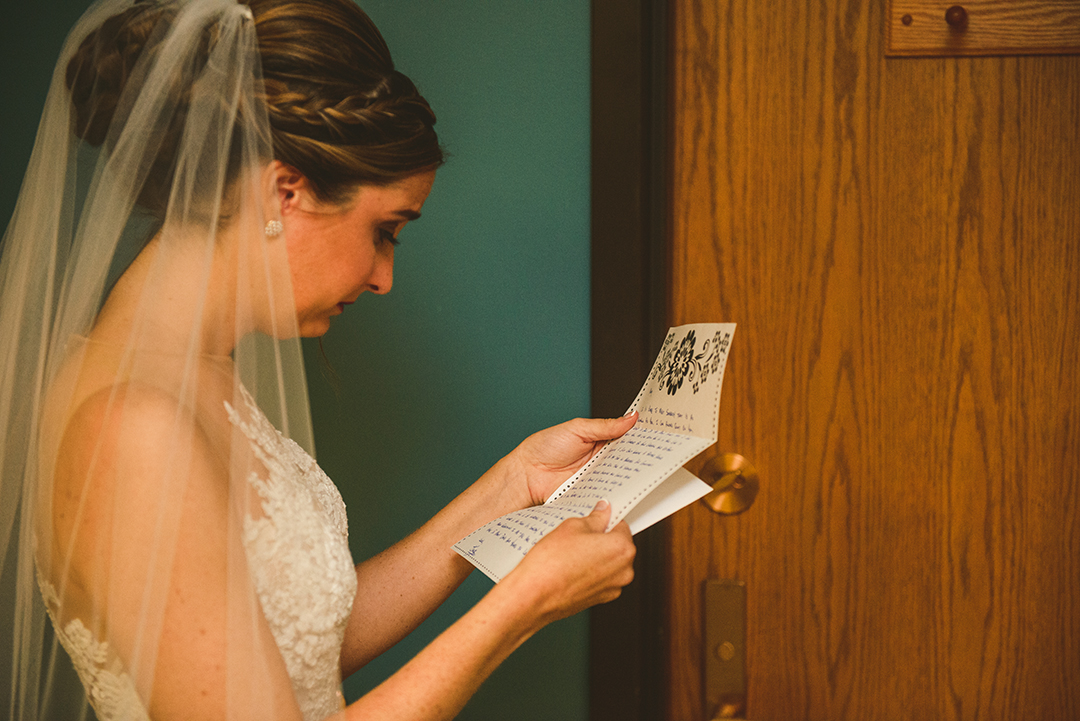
(309, 327)
(315, 328)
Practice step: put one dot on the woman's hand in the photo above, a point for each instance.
(547, 458)
(405, 583)
(576, 566)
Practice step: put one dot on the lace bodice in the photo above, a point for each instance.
(300, 563)
(301, 568)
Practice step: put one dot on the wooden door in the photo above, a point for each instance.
(899, 242)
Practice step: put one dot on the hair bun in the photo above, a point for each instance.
(98, 71)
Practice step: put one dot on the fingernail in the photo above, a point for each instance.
(601, 506)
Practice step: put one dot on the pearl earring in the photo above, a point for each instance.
(274, 228)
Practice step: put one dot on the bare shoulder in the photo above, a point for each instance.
(143, 519)
(131, 458)
(134, 429)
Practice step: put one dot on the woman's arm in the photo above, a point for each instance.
(402, 586)
(133, 536)
(575, 566)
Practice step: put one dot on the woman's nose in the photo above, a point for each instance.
(382, 275)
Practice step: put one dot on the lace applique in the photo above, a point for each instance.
(299, 559)
(298, 553)
(108, 687)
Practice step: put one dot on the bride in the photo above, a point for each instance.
(212, 181)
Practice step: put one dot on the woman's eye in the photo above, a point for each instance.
(386, 236)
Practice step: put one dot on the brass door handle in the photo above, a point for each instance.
(734, 481)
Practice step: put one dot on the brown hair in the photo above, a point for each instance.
(339, 112)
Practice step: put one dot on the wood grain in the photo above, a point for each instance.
(993, 27)
(899, 241)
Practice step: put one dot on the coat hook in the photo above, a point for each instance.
(957, 18)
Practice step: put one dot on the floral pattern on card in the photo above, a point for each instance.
(680, 363)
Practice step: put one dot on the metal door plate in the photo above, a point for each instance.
(725, 649)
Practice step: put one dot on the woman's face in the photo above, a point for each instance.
(336, 252)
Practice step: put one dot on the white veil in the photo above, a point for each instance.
(162, 173)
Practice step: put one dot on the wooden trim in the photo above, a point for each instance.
(629, 318)
(944, 28)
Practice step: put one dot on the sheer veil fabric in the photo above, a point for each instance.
(140, 298)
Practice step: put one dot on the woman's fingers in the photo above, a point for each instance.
(603, 429)
(547, 458)
(579, 565)
(599, 517)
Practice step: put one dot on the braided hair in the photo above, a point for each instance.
(339, 112)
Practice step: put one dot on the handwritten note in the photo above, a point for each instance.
(640, 474)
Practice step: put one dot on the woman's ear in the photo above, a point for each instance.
(290, 186)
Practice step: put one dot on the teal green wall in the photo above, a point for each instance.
(484, 338)
(31, 34)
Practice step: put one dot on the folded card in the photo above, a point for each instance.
(639, 474)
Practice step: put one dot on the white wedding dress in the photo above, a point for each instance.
(301, 568)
